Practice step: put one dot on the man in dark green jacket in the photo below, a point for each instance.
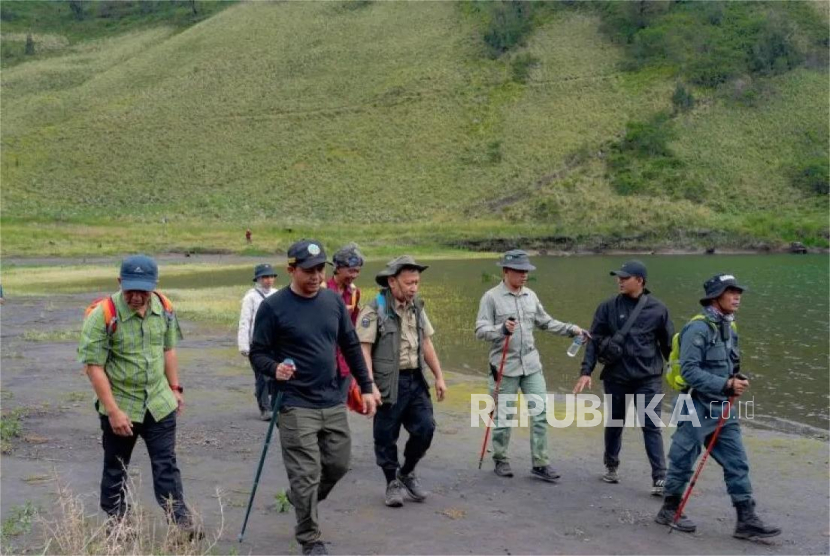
(396, 337)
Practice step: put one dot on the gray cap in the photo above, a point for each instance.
(516, 259)
(348, 257)
(393, 267)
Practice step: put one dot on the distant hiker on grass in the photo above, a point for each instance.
(305, 322)
(248, 236)
(709, 363)
(347, 264)
(266, 388)
(128, 345)
(396, 337)
(522, 367)
(633, 365)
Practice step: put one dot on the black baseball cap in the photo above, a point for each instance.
(631, 268)
(306, 253)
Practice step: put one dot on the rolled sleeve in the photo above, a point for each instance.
(367, 325)
(173, 335)
(93, 348)
(428, 329)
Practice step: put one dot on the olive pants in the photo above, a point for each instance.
(316, 448)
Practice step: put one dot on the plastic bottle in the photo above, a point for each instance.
(577, 343)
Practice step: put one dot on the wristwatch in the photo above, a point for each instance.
(178, 388)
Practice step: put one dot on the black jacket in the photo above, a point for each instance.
(645, 346)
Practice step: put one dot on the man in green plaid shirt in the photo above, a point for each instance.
(131, 362)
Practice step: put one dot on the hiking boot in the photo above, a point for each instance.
(750, 527)
(264, 415)
(667, 513)
(413, 486)
(546, 473)
(189, 530)
(657, 487)
(394, 494)
(503, 469)
(611, 475)
(315, 547)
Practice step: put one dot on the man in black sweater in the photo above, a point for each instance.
(637, 370)
(304, 323)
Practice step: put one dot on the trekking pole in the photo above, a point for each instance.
(274, 418)
(495, 397)
(723, 417)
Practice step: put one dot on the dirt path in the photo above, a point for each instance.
(469, 511)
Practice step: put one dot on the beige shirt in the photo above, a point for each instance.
(367, 331)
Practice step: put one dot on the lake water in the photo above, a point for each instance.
(784, 320)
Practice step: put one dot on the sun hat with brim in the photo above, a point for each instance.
(717, 284)
(262, 270)
(516, 259)
(139, 272)
(393, 267)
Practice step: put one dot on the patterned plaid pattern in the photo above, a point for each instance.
(133, 358)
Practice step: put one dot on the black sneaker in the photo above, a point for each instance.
(315, 547)
(546, 473)
(611, 475)
(394, 494)
(413, 486)
(503, 469)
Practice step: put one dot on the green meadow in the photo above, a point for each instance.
(396, 124)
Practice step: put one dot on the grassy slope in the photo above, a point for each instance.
(311, 115)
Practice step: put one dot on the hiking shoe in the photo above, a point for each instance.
(503, 469)
(413, 486)
(749, 526)
(667, 513)
(611, 475)
(394, 494)
(657, 487)
(315, 547)
(546, 473)
(264, 415)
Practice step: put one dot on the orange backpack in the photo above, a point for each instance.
(111, 314)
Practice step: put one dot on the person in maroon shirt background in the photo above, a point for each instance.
(347, 262)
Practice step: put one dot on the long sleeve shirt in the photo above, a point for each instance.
(250, 304)
(644, 347)
(496, 306)
(307, 330)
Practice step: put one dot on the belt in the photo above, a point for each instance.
(409, 371)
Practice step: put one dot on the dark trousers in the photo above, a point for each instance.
(316, 448)
(265, 391)
(652, 434)
(413, 410)
(160, 439)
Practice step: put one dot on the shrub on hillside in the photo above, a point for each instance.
(508, 24)
(682, 99)
(813, 176)
(521, 65)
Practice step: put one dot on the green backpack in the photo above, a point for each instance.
(673, 376)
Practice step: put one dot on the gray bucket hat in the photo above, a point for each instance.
(393, 267)
(717, 284)
(516, 259)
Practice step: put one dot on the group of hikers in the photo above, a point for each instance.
(316, 351)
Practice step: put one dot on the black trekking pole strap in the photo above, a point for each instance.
(274, 419)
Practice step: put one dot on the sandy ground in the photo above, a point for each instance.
(469, 511)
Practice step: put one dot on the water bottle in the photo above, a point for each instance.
(577, 343)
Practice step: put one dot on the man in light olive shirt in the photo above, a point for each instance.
(396, 337)
(522, 367)
(128, 348)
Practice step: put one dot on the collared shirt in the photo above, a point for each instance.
(496, 306)
(367, 331)
(133, 358)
